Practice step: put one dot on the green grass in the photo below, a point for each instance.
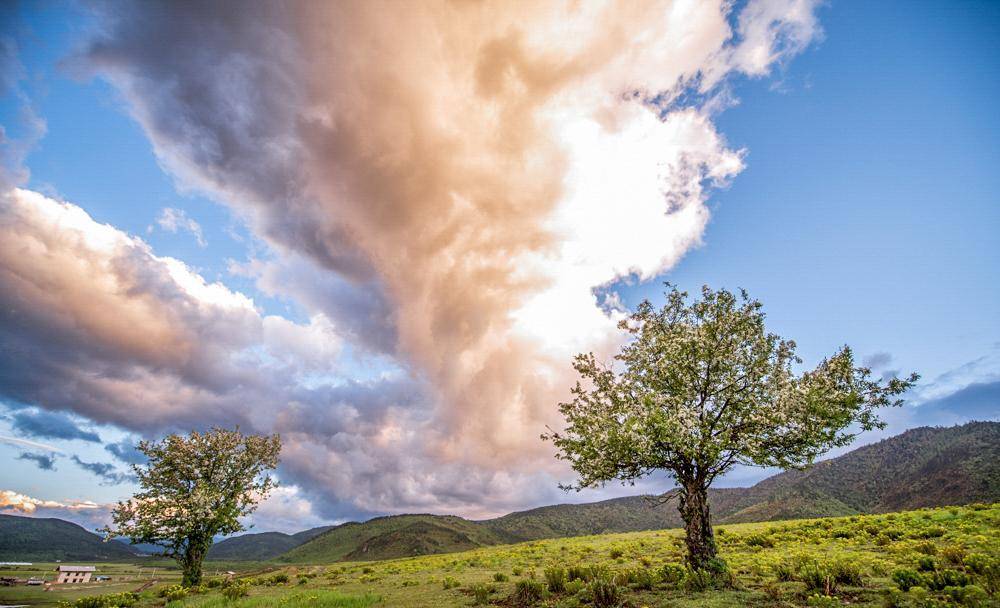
(953, 552)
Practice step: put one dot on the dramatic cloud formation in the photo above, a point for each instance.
(108, 473)
(449, 188)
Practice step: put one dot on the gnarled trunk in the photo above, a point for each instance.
(191, 561)
(697, 525)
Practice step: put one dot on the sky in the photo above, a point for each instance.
(383, 231)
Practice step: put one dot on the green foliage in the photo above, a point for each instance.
(672, 574)
(236, 590)
(110, 600)
(500, 577)
(555, 579)
(702, 386)
(527, 592)
(450, 582)
(193, 489)
(605, 593)
(481, 594)
(905, 578)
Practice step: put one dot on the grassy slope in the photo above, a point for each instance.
(876, 544)
(922, 467)
(387, 537)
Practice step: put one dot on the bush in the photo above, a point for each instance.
(641, 578)
(279, 579)
(926, 564)
(616, 553)
(926, 548)
(528, 592)
(555, 578)
(822, 601)
(577, 573)
(672, 574)
(574, 587)
(605, 593)
(954, 554)
(847, 572)
(759, 540)
(971, 595)
(906, 579)
(500, 577)
(784, 572)
(947, 578)
(818, 577)
(235, 591)
(481, 594)
(111, 600)
(449, 582)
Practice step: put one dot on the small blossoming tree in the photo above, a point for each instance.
(701, 387)
(195, 488)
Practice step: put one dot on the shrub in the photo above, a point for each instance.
(641, 578)
(906, 579)
(971, 595)
(817, 578)
(480, 594)
(759, 540)
(784, 572)
(947, 578)
(555, 578)
(932, 532)
(500, 577)
(449, 582)
(616, 553)
(822, 601)
(847, 572)
(577, 573)
(517, 570)
(926, 548)
(605, 593)
(926, 564)
(235, 591)
(672, 574)
(111, 600)
(698, 580)
(279, 579)
(574, 586)
(528, 592)
(213, 583)
(955, 554)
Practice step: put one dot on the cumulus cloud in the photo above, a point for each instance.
(50, 425)
(446, 186)
(46, 462)
(84, 512)
(174, 220)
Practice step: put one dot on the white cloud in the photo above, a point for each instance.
(174, 220)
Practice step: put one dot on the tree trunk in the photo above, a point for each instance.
(697, 525)
(190, 563)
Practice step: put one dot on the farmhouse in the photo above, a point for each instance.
(74, 574)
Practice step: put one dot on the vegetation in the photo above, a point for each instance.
(816, 562)
(195, 488)
(703, 387)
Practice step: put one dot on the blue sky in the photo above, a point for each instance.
(866, 213)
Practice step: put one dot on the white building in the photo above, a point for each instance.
(74, 574)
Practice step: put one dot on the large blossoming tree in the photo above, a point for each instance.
(701, 386)
(195, 488)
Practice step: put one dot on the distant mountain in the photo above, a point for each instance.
(261, 546)
(35, 539)
(922, 467)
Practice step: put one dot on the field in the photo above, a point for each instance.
(925, 558)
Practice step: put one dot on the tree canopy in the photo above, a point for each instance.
(700, 387)
(194, 488)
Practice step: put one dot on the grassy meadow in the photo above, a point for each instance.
(926, 558)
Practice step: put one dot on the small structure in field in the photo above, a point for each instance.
(102, 579)
(74, 574)
(35, 581)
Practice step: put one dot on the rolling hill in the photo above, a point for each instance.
(261, 546)
(922, 467)
(50, 539)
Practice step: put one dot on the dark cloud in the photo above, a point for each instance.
(126, 451)
(979, 401)
(105, 470)
(49, 425)
(44, 462)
